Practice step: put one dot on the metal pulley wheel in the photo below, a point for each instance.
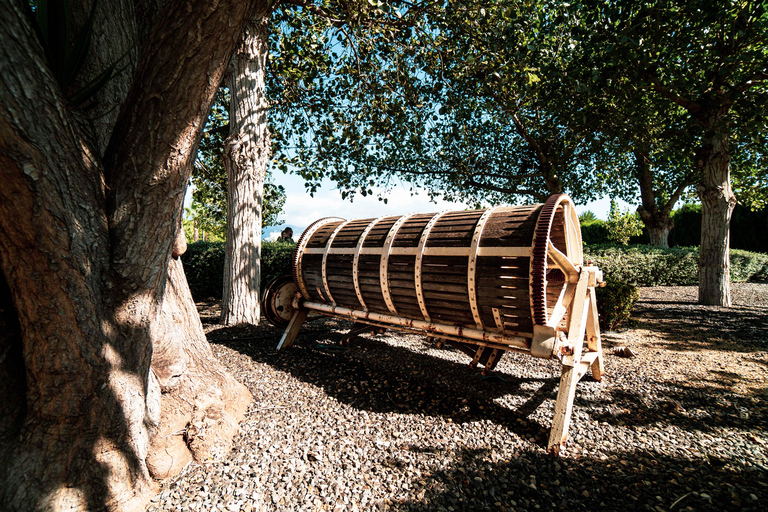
(277, 299)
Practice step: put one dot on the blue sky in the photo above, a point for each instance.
(301, 209)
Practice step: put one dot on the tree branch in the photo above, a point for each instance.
(688, 104)
(149, 157)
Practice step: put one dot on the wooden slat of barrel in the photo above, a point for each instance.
(436, 276)
(512, 322)
(340, 280)
(508, 227)
(458, 303)
(345, 299)
(495, 297)
(312, 277)
(458, 288)
(404, 297)
(451, 315)
(444, 265)
(518, 266)
(406, 284)
(350, 234)
(378, 234)
(409, 311)
(409, 233)
(454, 229)
(320, 237)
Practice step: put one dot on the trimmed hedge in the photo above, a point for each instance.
(645, 265)
(204, 266)
(594, 232)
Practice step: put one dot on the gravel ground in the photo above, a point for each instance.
(392, 423)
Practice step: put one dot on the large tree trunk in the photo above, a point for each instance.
(85, 248)
(246, 156)
(717, 203)
(201, 403)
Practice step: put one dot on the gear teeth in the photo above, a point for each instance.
(539, 272)
(308, 232)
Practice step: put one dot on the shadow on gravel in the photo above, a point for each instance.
(374, 376)
(690, 408)
(688, 326)
(621, 481)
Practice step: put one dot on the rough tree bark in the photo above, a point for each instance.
(246, 155)
(717, 204)
(657, 220)
(87, 231)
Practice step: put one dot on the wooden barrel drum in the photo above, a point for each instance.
(487, 281)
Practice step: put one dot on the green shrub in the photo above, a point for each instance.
(594, 232)
(645, 265)
(204, 266)
(276, 260)
(615, 302)
(622, 224)
(748, 266)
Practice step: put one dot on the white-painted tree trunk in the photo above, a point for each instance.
(246, 156)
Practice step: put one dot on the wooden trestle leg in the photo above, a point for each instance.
(574, 366)
(289, 336)
(593, 338)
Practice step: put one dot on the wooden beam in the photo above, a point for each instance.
(289, 336)
(572, 370)
(593, 337)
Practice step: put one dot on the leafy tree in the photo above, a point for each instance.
(707, 58)
(104, 357)
(622, 224)
(463, 99)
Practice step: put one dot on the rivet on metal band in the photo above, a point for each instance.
(472, 266)
(356, 260)
(299, 251)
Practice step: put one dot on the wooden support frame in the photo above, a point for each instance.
(563, 310)
(289, 336)
(582, 321)
(576, 361)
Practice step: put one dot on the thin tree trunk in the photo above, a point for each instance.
(658, 221)
(246, 156)
(717, 203)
